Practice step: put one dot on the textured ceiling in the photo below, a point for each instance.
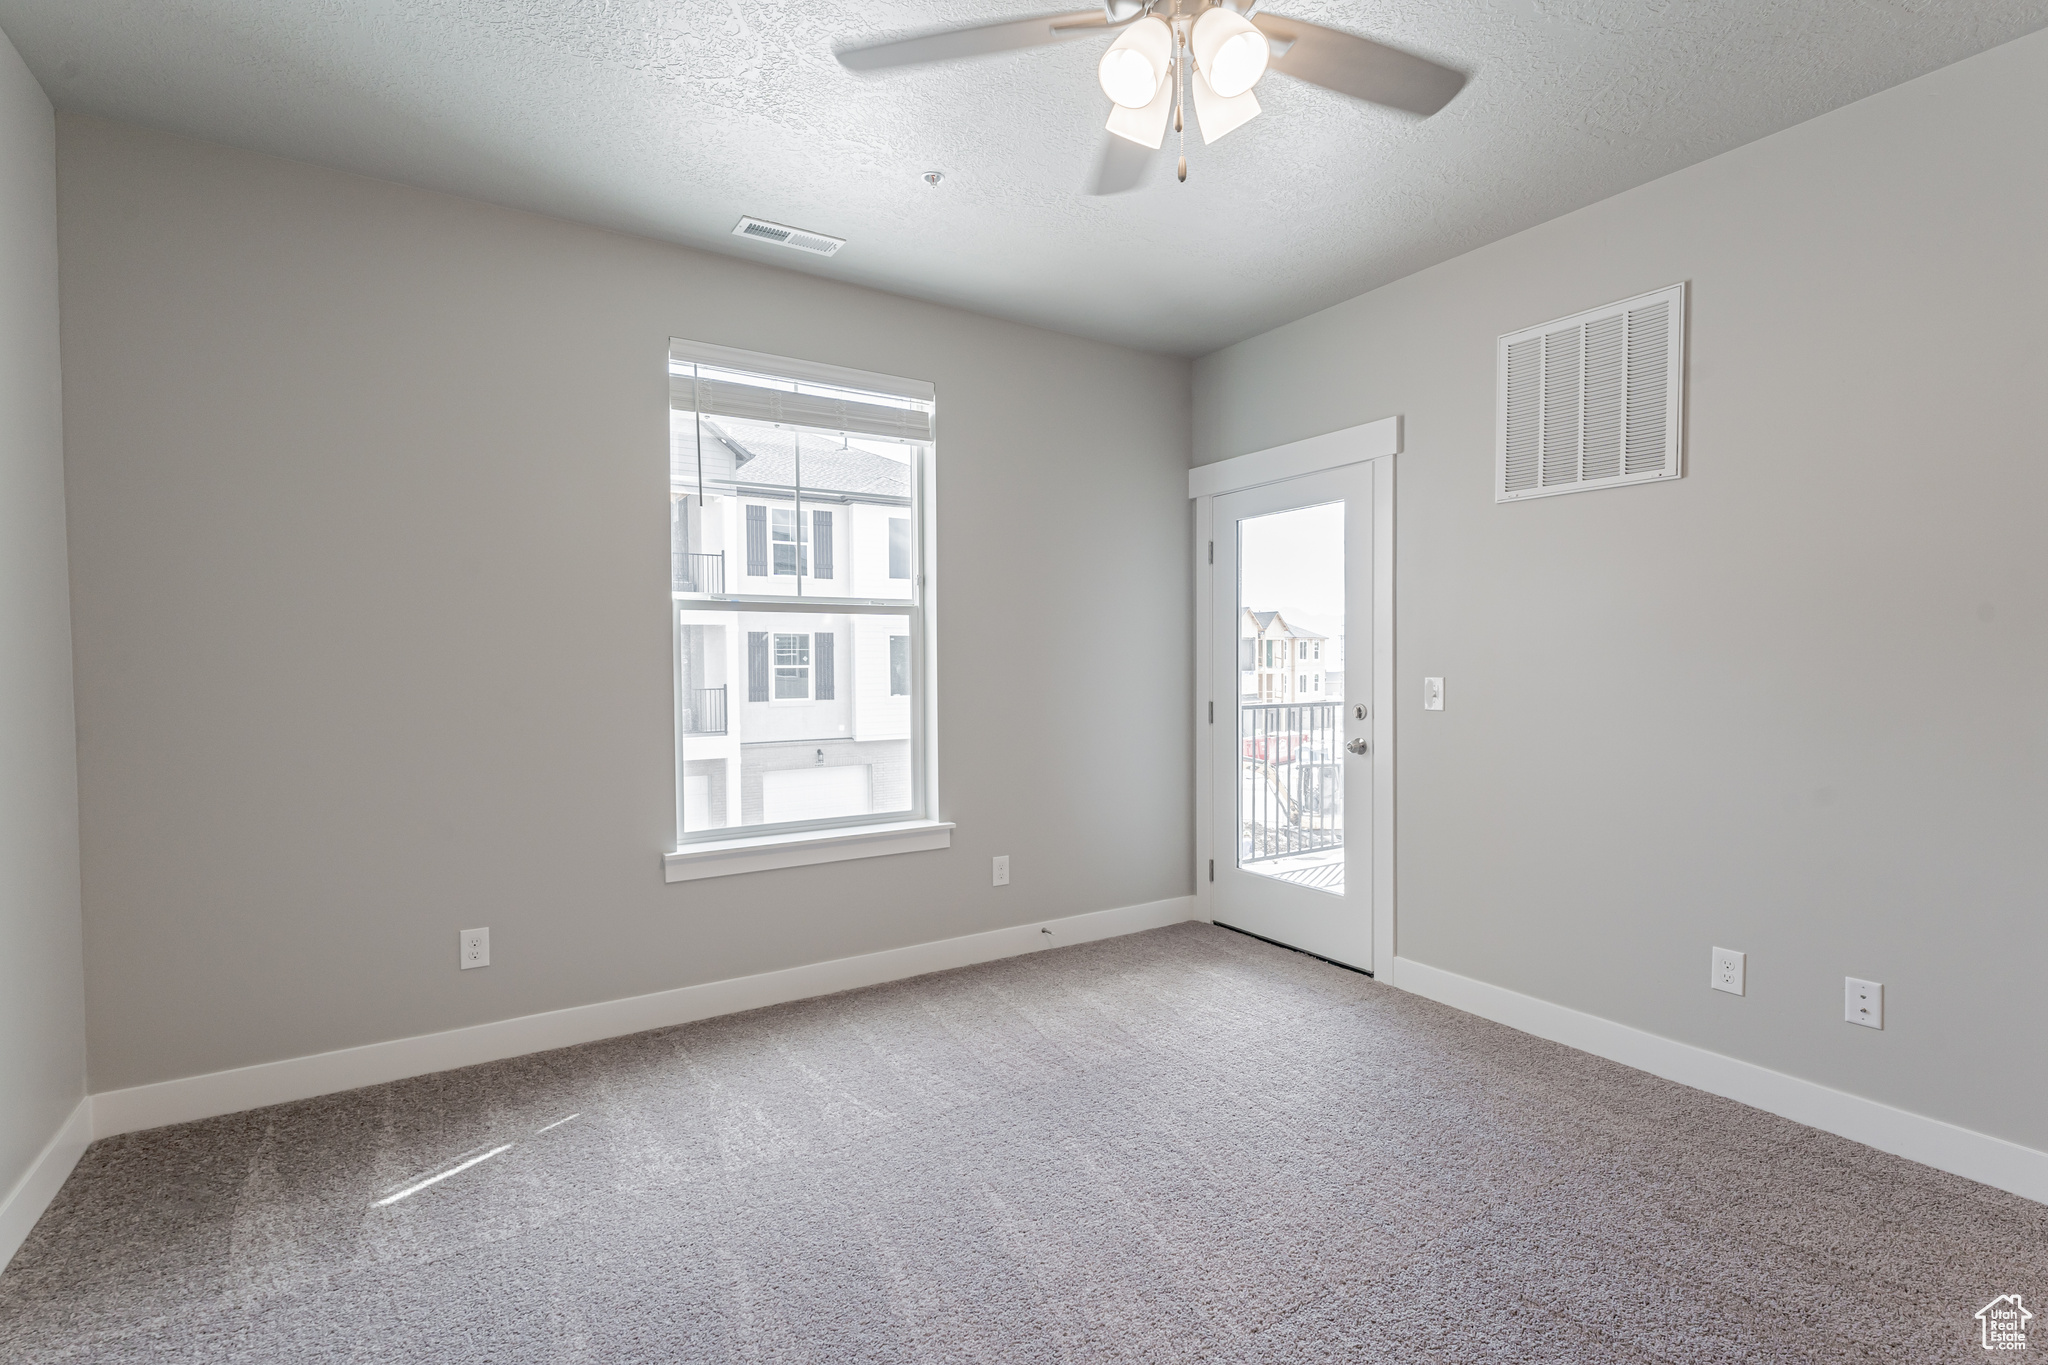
(674, 117)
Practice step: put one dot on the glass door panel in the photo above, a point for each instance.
(1290, 622)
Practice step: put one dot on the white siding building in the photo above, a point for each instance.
(1278, 662)
(791, 716)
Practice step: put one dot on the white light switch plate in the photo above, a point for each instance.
(1003, 870)
(1728, 970)
(1863, 1002)
(476, 948)
(1432, 694)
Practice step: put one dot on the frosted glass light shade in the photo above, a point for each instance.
(1229, 51)
(1216, 115)
(1135, 64)
(1147, 126)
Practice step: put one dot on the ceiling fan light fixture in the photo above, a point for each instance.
(1147, 126)
(1229, 51)
(1216, 115)
(1133, 69)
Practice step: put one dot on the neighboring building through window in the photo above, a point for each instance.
(1280, 662)
(789, 542)
(795, 536)
(899, 547)
(792, 668)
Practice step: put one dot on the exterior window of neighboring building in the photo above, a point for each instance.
(792, 668)
(797, 527)
(899, 665)
(899, 547)
(791, 545)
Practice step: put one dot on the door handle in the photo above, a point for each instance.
(1356, 746)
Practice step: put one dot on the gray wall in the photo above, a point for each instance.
(1795, 703)
(42, 1013)
(369, 549)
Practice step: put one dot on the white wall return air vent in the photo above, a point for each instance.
(1594, 400)
(781, 234)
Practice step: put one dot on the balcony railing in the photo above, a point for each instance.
(699, 573)
(1292, 783)
(704, 710)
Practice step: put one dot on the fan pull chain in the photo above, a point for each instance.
(1180, 86)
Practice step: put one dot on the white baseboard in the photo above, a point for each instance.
(45, 1176)
(1932, 1142)
(298, 1078)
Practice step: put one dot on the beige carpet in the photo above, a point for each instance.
(1185, 1145)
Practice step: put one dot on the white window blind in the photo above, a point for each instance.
(717, 392)
(1592, 401)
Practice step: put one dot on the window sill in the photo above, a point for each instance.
(728, 857)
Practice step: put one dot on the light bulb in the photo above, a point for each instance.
(1229, 51)
(1136, 62)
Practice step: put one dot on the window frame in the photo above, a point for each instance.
(738, 849)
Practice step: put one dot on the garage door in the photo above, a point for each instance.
(815, 793)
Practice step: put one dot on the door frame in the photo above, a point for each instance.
(1378, 442)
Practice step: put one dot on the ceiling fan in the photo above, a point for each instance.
(1169, 53)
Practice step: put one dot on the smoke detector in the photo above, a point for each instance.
(781, 234)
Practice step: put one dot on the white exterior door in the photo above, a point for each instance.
(1291, 746)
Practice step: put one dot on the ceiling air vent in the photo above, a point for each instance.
(1593, 400)
(796, 239)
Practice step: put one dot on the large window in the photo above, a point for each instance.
(797, 525)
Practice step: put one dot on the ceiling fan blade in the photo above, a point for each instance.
(1358, 67)
(1120, 166)
(975, 42)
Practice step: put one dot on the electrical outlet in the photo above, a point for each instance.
(1728, 971)
(1863, 1002)
(476, 948)
(1432, 694)
(1003, 870)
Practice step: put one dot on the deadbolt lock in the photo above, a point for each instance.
(1361, 713)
